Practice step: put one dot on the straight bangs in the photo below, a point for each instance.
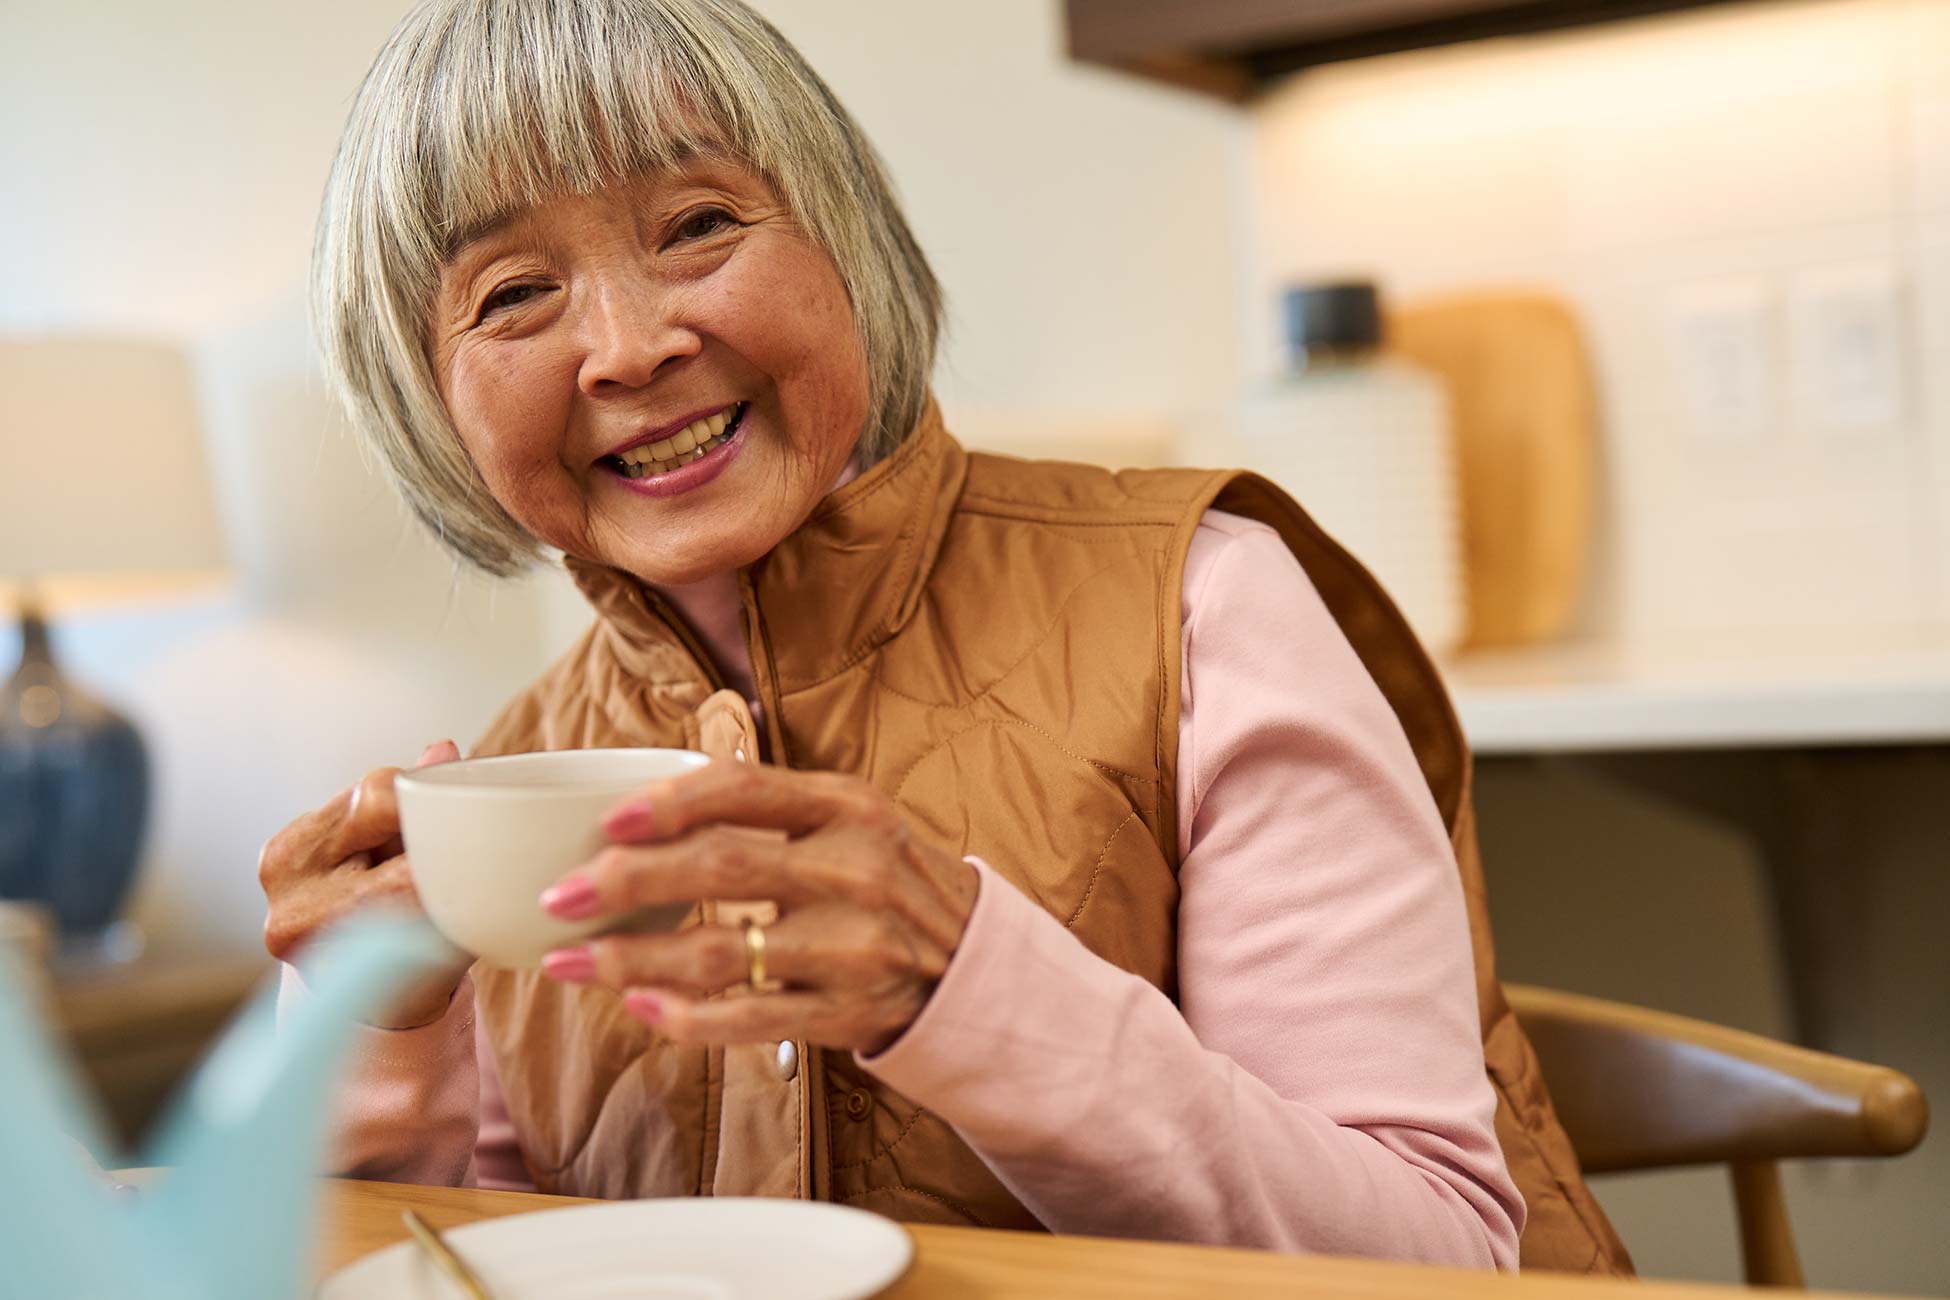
(532, 102)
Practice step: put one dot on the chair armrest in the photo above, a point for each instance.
(1644, 1089)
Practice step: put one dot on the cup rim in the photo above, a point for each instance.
(422, 779)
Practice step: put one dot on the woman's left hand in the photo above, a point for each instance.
(869, 913)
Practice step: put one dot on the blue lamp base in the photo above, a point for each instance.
(74, 793)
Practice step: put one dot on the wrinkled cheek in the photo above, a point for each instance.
(528, 484)
(550, 504)
(526, 476)
(510, 427)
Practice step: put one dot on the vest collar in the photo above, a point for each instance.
(839, 585)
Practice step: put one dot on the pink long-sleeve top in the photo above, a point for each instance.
(1319, 1084)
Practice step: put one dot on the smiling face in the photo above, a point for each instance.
(664, 376)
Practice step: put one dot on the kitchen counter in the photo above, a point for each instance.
(1711, 695)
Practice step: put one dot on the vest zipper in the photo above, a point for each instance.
(764, 679)
(814, 1152)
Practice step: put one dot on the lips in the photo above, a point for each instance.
(652, 456)
(689, 470)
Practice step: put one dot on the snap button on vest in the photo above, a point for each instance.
(788, 1060)
(859, 1104)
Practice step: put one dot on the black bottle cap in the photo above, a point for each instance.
(1332, 318)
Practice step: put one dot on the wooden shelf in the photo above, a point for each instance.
(1235, 48)
(138, 1030)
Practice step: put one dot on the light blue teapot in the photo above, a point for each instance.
(235, 1216)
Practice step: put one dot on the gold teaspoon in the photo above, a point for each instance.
(431, 1242)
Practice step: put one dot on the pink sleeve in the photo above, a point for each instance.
(1320, 1087)
(423, 1105)
(408, 1111)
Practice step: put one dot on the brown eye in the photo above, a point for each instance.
(705, 221)
(508, 295)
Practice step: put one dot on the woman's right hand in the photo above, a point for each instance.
(342, 857)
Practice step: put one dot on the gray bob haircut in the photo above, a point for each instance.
(476, 109)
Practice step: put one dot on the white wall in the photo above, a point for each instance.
(1741, 151)
(164, 164)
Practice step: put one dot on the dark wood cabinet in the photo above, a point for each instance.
(1234, 48)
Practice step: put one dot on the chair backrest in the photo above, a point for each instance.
(1643, 1089)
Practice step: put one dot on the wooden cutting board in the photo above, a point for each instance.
(1524, 416)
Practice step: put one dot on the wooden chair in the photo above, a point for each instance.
(1643, 1089)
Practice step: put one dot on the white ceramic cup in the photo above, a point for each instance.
(486, 836)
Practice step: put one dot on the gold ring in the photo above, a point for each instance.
(754, 955)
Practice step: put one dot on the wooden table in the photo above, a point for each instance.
(974, 1264)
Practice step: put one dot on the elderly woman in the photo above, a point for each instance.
(1102, 887)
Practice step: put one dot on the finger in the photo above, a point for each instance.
(294, 851)
(717, 862)
(747, 794)
(816, 1017)
(390, 880)
(831, 948)
(699, 961)
(370, 816)
(370, 820)
(314, 902)
(356, 827)
(371, 826)
(440, 751)
(323, 838)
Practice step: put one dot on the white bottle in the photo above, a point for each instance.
(1361, 439)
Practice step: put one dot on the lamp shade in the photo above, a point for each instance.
(103, 496)
(104, 489)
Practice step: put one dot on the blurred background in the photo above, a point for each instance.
(1685, 562)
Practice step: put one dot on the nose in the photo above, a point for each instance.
(633, 329)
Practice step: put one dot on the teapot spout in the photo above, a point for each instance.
(246, 1139)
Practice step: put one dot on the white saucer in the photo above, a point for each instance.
(706, 1248)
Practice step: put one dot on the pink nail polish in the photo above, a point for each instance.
(570, 965)
(630, 822)
(644, 1005)
(573, 898)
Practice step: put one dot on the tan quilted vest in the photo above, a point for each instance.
(996, 645)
